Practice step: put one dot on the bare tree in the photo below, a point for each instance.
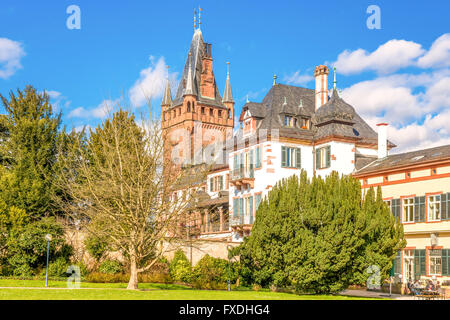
(120, 184)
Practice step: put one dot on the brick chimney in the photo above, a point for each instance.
(382, 140)
(207, 82)
(321, 77)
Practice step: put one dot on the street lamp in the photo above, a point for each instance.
(229, 247)
(48, 237)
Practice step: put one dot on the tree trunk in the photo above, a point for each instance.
(133, 283)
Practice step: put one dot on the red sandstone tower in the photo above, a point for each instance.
(197, 109)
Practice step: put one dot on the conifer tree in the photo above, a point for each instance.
(318, 236)
(28, 152)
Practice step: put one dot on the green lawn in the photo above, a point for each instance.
(148, 291)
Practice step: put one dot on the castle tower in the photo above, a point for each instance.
(197, 108)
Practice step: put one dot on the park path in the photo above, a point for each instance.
(373, 294)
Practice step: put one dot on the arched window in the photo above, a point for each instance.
(193, 106)
(174, 113)
(229, 113)
(189, 106)
(211, 112)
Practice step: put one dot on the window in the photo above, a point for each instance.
(216, 183)
(290, 157)
(211, 112)
(420, 262)
(211, 184)
(290, 121)
(305, 123)
(435, 262)
(203, 110)
(397, 265)
(445, 262)
(408, 210)
(220, 113)
(189, 106)
(258, 157)
(396, 208)
(236, 207)
(323, 157)
(434, 208)
(229, 113)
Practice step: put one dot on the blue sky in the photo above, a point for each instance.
(398, 74)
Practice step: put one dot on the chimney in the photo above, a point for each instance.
(321, 77)
(382, 140)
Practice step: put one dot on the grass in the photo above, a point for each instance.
(34, 290)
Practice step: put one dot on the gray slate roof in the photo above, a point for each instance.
(197, 50)
(418, 157)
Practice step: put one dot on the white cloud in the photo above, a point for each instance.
(388, 57)
(438, 55)
(10, 54)
(151, 82)
(99, 112)
(298, 79)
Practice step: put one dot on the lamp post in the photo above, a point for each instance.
(229, 247)
(48, 237)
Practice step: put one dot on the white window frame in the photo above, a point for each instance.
(434, 208)
(408, 203)
(435, 267)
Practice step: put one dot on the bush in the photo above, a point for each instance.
(96, 247)
(212, 273)
(57, 268)
(180, 268)
(98, 277)
(110, 267)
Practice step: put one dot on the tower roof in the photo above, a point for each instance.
(227, 95)
(167, 97)
(198, 51)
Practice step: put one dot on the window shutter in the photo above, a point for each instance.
(235, 162)
(444, 262)
(251, 159)
(396, 207)
(236, 208)
(241, 208)
(257, 201)
(317, 158)
(328, 156)
(416, 209)
(298, 158)
(419, 262)
(444, 212)
(220, 183)
(211, 184)
(258, 157)
(283, 156)
(251, 209)
(241, 165)
(422, 209)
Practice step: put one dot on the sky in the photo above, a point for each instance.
(397, 71)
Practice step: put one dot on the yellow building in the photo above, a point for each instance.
(416, 185)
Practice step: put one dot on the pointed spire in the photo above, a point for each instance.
(227, 95)
(189, 81)
(334, 81)
(167, 98)
(274, 79)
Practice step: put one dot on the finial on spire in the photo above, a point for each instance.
(167, 98)
(274, 79)
(247, 100)
(195, 13)
(301, 103)
(334, 82)
(199, 17)
(285, 102)
(228, 68)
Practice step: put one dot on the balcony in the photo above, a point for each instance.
(244, 176)
(242, 224)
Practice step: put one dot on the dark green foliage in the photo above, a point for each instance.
(318, 236)
(27, 247)
(29, 153)
(96, 247)
(110, 267)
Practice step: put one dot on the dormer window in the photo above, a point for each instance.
(306, 123)
(290, 121)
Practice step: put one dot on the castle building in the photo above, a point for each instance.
(295, 128)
